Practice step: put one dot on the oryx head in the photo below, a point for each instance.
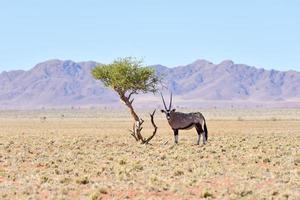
(169, 110)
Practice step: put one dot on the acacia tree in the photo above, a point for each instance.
(127, 77)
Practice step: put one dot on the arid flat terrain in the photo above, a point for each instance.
(75, 154)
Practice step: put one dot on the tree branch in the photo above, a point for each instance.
(131, 101)
(146, 141)
(139, 129)
(131, 93)
(133, 135)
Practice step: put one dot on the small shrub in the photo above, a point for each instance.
(274, 119)
(122, 162)
(65, 180)
(207, 194)
(82, 181)
(178, 173)
(44, 179)
(245, 193)
(138, 167)
(103, 191)
(266, 160)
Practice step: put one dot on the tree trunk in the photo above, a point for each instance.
(129, 105)
(137, 121)
(137, 125)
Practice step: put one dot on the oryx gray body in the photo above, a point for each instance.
(184, 121)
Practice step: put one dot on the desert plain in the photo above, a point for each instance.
(89, 154)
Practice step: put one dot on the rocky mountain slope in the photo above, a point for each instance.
(58, 83)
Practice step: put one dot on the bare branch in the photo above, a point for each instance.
(131, 93)
(137, 129)
(133, 135)
(141, 121)
(146, 141)
(131, 101)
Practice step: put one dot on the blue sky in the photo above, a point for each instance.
(262, 33)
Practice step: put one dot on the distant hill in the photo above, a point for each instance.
(57, 83)
(228, 81)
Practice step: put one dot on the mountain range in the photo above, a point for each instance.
(64, 83)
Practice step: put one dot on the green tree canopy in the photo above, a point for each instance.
(127, 74)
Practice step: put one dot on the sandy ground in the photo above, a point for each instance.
(251, 154)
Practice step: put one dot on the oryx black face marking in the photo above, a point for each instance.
(182, 121)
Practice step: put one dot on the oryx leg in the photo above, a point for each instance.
(200, 131)
(176, 135)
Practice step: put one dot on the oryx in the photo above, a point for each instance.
(183, 121)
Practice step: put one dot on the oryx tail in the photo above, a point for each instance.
(205, 130)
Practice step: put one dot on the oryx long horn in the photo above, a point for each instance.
(170, 106)
(163, 101)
